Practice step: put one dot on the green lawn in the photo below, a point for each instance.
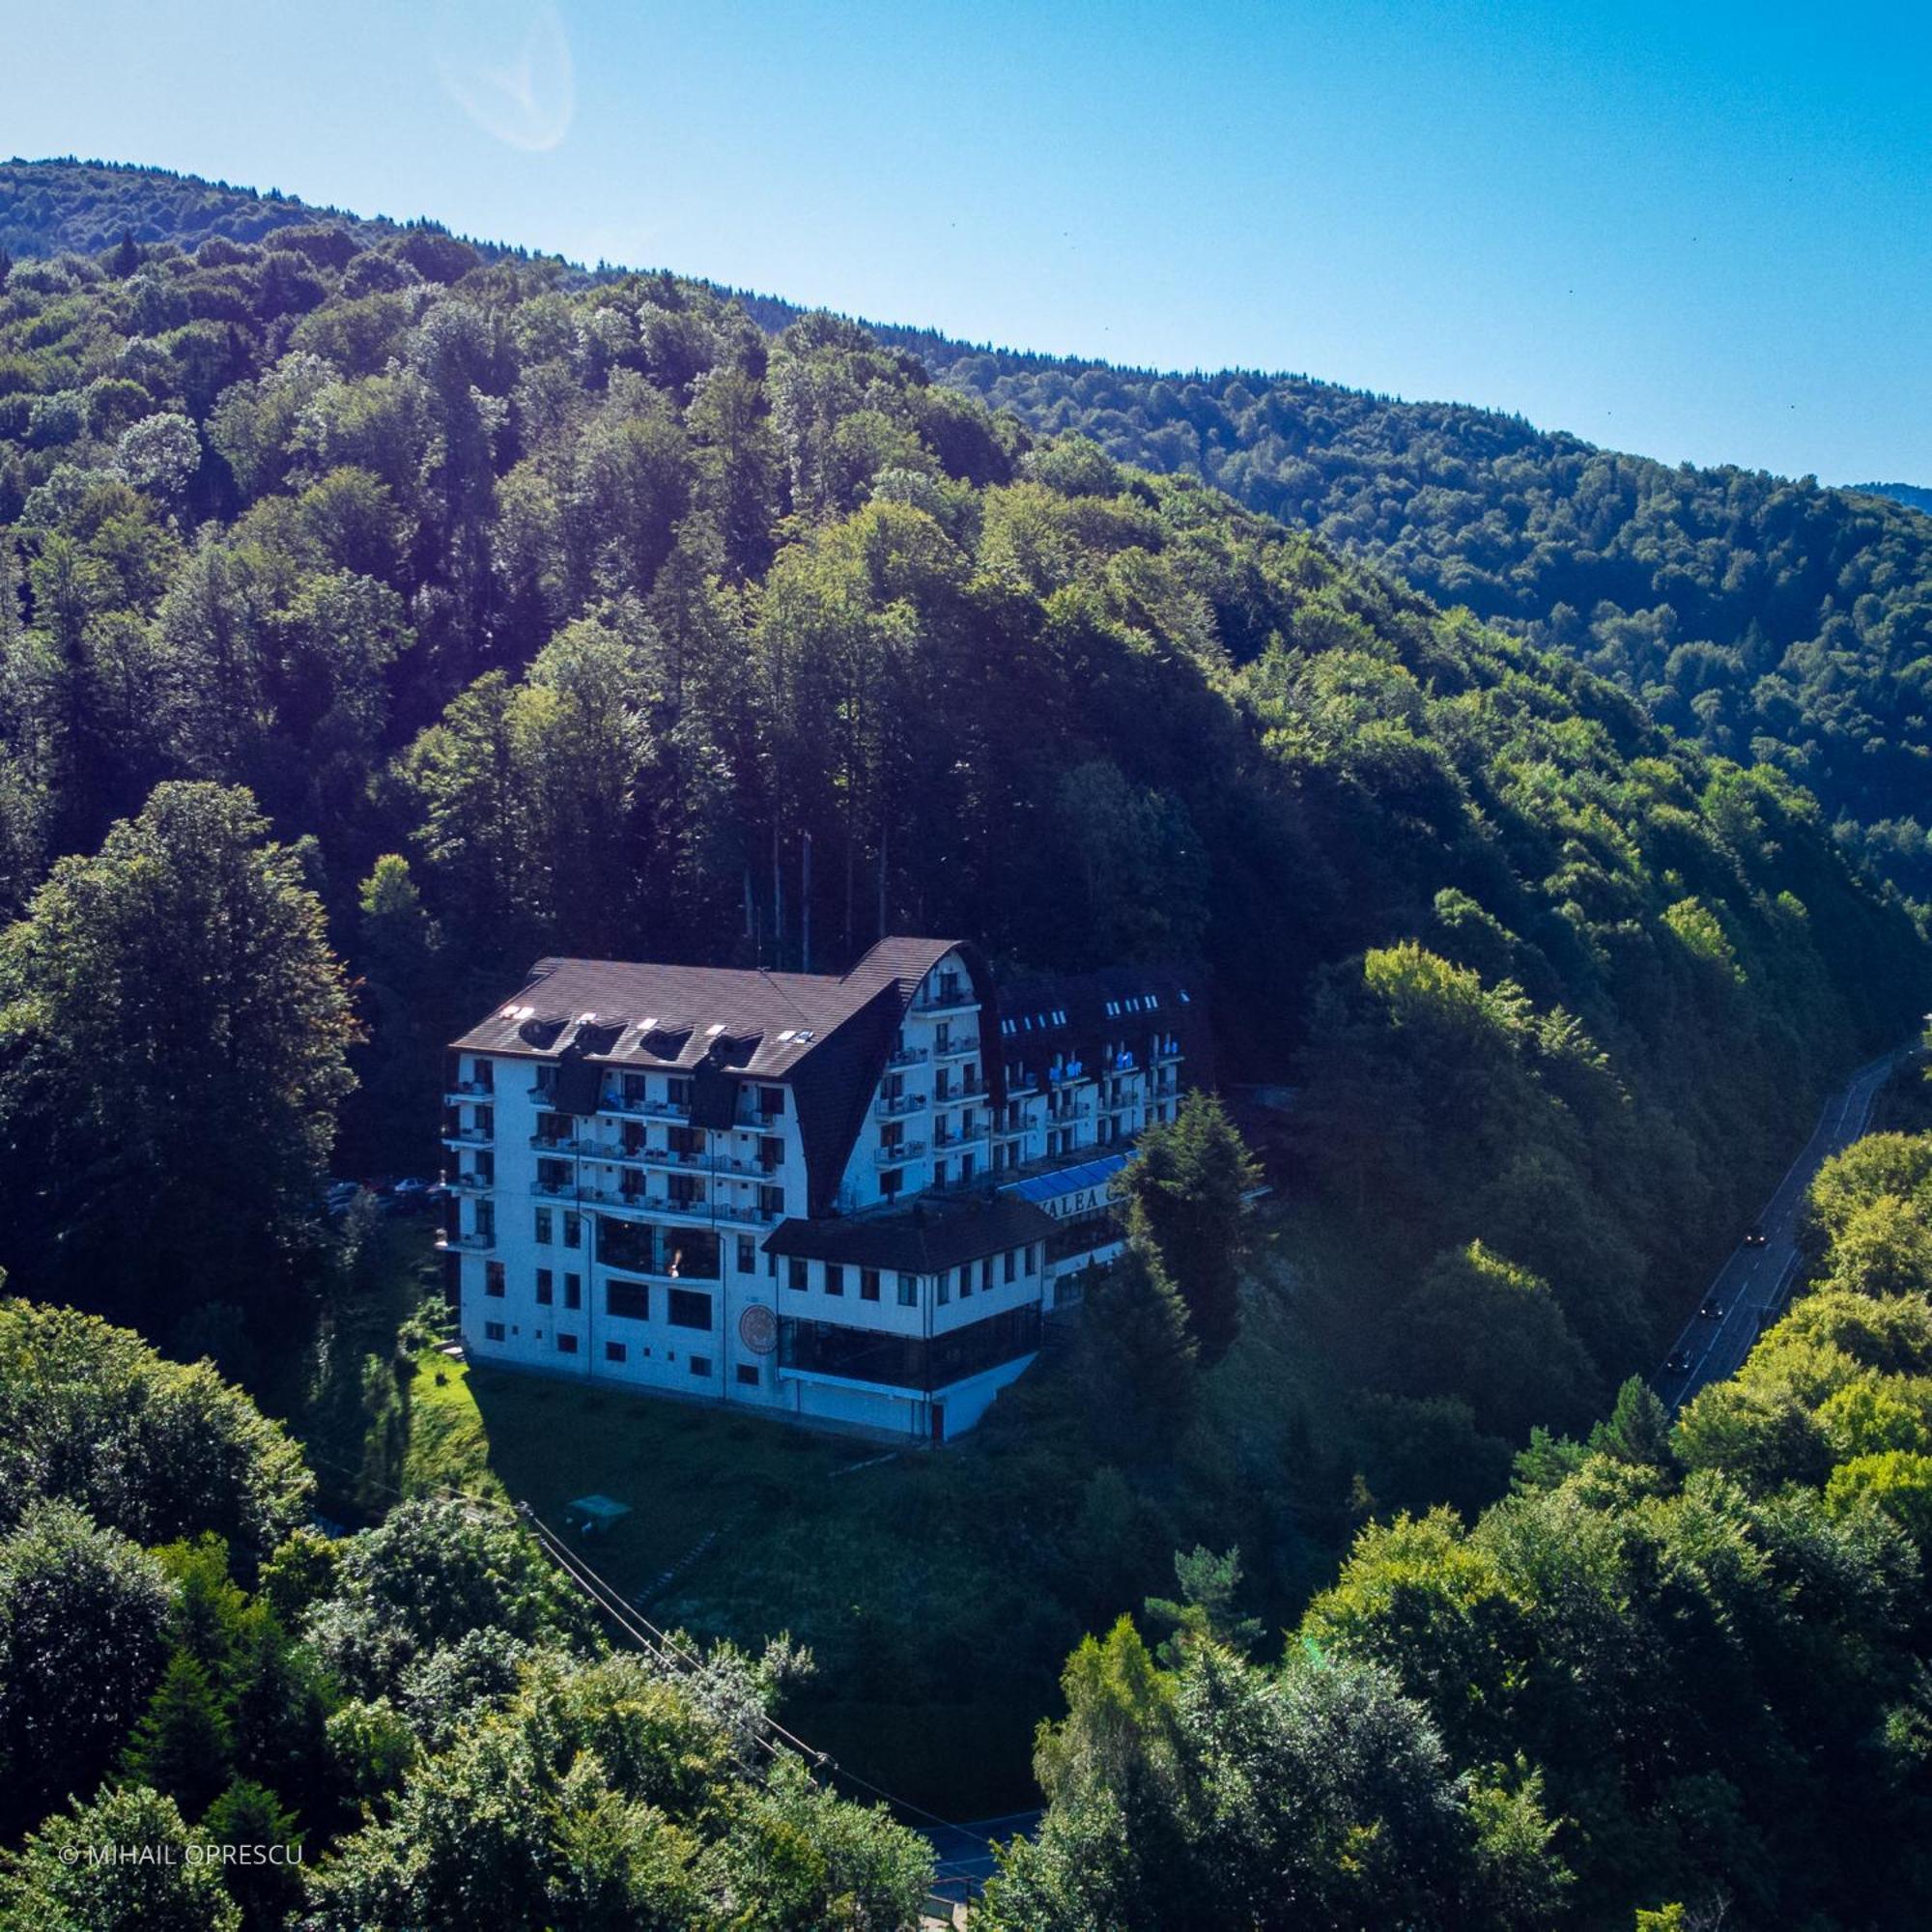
(683, 1471)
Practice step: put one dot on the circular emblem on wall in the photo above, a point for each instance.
(759, 1329)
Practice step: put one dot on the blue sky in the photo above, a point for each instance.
(1698, 230)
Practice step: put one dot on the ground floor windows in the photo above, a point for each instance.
(615, 1351)
(908, 1361)
(492, 1331)
(748, 1375)
(566, 1345)
(700, 1365)
(493, 1278)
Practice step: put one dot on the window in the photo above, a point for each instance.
(545, 1287)
(689, 1310)
(891, 1181)
(493, 1278)
(1033, 1257)
(939, 1173)
(795, 1272)
(771, 1152)
(772, 1202)
(545, 1080)
(492, 1331)
(573, 1291)
(678, 1093)
(1013, 1262)
(615, 1351)
(700, 1365)
(554, 1175)
(835, 1278)
(633, 1088)
(985, 1274)
(965, 1169)
(554, 1128)
(747, 1374)
(566, 1345)
(485, 1120)
(484, 1073)
(944, 1279)
(630, 1299)
(965, 1279)
(544, 1226)
(771, 1101)
(748, 1255)
(868, 1284)
(572, 1231)
(908, 1290)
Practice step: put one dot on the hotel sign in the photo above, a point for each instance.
(1081, 1201)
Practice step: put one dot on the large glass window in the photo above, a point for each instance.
(629, 1299)
(689, 1309)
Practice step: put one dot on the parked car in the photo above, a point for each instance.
(411, 1195)
(340, 1197)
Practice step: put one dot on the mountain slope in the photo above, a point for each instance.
(1771, 619)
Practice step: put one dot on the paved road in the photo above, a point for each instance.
(1753, 1285)
(965, 1852)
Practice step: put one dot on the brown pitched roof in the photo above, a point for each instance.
(826, 1035)
(936, 1232)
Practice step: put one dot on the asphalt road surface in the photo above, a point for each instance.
(965, 1852)
(1753, 1285)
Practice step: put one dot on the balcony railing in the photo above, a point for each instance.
(475, 1242)
(468, 1137)
(973, 1137)
(650, 1110)
(905, 1056)
(895, 1109)
(956, 1049)
(471, 1182)
(947, 1000)
(900, 1155)
(460, 1091)
(970, 1090)
(563, 1144)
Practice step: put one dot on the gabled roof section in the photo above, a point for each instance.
(937, 1231)
(825, 1035)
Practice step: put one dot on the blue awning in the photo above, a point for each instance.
(1069, 1179)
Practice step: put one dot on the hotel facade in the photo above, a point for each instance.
(849, 1201)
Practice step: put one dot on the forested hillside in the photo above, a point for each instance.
(1770, 619)
(376, 617)
(536, 620)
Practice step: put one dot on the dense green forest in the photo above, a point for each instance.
(1683, 1669)
(517, 619)
(378, 613)
(424, 1721)
(1771, 619)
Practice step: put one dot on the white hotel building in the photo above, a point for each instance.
(846, 1199)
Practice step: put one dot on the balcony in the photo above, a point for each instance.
(456, 1093)
(556, 1190)
(747, 1216)
(1022, 1083)
(1165, 1052)
(945, 999)
(1070, 1110)
(893, 1110)
(468, 1137)
(659, 1206)
(956, 1049)
(899, 1155)
(568, 1145)
(475, 1242)
(471, 1182)
(954, 1097)
(971, 1137)
(905, 1056)
(1068, 1076)
(648, 1110)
